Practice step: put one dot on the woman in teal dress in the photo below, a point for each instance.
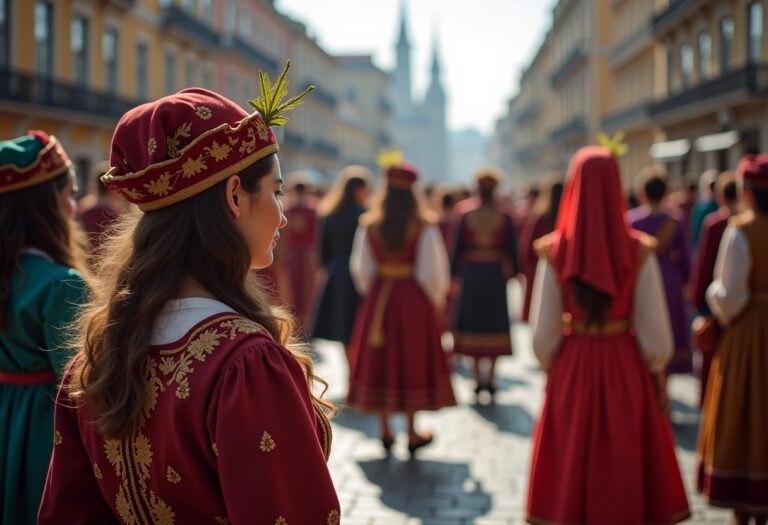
(41, 286)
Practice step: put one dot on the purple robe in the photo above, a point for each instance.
(675, 262)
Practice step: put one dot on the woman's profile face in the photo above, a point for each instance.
(67, 196)
(261, 217)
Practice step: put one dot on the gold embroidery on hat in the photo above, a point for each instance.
(173, 142)
(159, 186)
(57, 439)
(172, 476)
(132, 193)
(97, 471)
(218, 151)
(333, 518)
(261, 128)
(151, 145)
(248, 146)
(267, 444)
(204, 112)
(193, 166)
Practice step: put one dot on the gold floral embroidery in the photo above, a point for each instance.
(172, 476)
(281, 521)
(57, 438)
(193, 166)
(124, 507)
(261, 128)
(113, 447)
(218, 151)
(267, 444)
(333, 518)
(485, 224)
(243, 325)
(247, 146)
(215, 448)
(200, 348)
(132, 193)
(151, 145)
(204, 112)
(173, 142)
(159, 186)
(97, 471)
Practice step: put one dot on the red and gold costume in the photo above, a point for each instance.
(228, 432)
(298, 255)
(603, 451)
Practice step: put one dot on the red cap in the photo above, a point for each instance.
(402, 175)
(754, 168)
(166, 151)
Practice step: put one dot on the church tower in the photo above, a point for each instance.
(401, 81)
(434, 105)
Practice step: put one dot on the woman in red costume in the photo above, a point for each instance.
(188, 402)
(603, 449)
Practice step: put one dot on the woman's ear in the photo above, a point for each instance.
(231, 190)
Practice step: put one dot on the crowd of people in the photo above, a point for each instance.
(173, 325)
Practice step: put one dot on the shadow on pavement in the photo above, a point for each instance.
(436, 492)
(508, 418)
(685, 421)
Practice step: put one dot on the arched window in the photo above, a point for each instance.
(705, 56)
(755, 21)
(726, 43)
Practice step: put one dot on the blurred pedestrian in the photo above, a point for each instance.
(673, 255)
(103, 209)
(42, 284)
(299, 246)
(340, 210)
(484, 258)
(400, 267)
(603, 450)
(705, 205)
(188, 402)
(541, 222)
(704, 271)
(733, 440)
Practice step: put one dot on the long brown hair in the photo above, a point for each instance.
(33, 218)
(341, 197)
(594, 303)
(394, 215)
(141, 269)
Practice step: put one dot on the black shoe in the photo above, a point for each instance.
(387, 443)
(422, 441)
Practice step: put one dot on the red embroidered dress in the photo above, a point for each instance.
(230, 435)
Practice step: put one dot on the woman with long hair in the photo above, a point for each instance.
(733, 469)
(341, 209)
(42, 283)
(400, 266)
(188, 401)
(603, 450)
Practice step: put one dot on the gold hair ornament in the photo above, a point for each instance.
(269, 103)
(615, 144)
(389, 158)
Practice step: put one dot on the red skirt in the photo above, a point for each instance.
(397, 362)
(603, 453)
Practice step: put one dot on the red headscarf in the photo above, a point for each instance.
(592, 241)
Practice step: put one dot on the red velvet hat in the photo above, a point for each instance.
(402, 175)
(166, 151)
(30, 160)
(754, 168)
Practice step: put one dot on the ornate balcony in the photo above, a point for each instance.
(577, 58)
(573, 129)
(188, 27)
(250, 52)
(676, 12)
(627, 117)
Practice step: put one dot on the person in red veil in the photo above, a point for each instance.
(603, 448)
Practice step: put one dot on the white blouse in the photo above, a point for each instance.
(179, 316)
(729, 292)
(431, 269)
(649, 319)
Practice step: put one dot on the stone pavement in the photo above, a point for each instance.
(476, 470)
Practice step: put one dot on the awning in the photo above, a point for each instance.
(716, 141)
(670, 150)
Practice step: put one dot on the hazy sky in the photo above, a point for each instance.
(484, 44)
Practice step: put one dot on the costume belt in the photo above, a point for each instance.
(388, 273)
(27, 378)
(617, 327)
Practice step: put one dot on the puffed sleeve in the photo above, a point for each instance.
(362, 264)
(546, 313)
(651, 322)
(432, 271)
(71, 493)
(729, 292)
(271, 464)
(60, 309)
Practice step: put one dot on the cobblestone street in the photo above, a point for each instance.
(476, 471)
